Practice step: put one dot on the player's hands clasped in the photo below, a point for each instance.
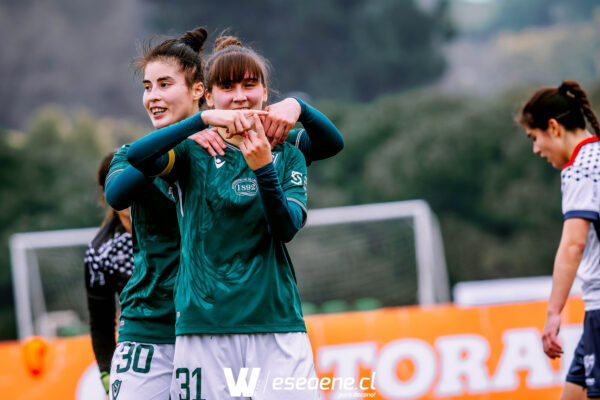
(235, 121)
(281, 118)
(550, 340)
(210, 140)
(256, 147)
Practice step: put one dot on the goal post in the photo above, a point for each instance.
(405, 234)
(27, 284)
(353, 257)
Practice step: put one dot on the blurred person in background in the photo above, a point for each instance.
(554, 118)
(108, 267)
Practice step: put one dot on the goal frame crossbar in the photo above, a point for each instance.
(433, 286)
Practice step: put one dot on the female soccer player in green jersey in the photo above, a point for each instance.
(143, 360)
(236, 298)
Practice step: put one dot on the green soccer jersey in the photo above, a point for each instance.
(147, 309)
(234, 277)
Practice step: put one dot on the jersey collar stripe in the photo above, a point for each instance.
(232, 147)
(577, 148)
(297, 144)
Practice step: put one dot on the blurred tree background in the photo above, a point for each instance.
(423, 91)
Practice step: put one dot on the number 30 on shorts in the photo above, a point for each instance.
(137, 357)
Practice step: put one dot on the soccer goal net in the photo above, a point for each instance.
(345, 258)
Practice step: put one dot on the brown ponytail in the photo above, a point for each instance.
(575, 91)
(568, 104)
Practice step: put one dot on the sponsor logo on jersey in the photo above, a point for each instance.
(297, 178)
(116, 386)
(219, 163)
(245, 187)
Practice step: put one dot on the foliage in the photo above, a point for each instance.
(49, 181)
(498, 204)
(335, 49)
(517, 14)
(69, 52)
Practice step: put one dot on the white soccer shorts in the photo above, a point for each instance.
(141, 371)
(261, 366)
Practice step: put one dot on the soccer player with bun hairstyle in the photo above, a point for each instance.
(142, 363)
(554, 118)
(236, 297)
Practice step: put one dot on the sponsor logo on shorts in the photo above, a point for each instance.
(219, 163)
(116, 386)
(245, 187)
(588, 362)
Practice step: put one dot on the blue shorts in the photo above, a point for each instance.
(584, 370)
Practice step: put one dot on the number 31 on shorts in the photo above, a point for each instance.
(183, 377)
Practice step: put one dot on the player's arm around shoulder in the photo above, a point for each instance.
(320, 139)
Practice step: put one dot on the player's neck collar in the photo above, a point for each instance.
(233, 142)
(578, 147)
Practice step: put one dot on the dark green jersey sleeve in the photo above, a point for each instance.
(294, 179)
(319, 139)
(151, 154)
(284, 218)
(123, 182)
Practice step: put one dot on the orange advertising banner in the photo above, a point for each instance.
(438, 352)
(443, 352)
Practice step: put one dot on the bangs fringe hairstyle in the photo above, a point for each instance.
(185, 51)
(568, 104)
(231, 61)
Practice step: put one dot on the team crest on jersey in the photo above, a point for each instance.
(245, 187)
(116, 386)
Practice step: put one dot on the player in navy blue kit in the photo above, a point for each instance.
(555, 120)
